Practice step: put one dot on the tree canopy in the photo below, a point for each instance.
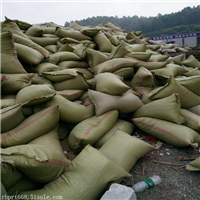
(184, 21)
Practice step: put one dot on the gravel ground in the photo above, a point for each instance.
(177, 182)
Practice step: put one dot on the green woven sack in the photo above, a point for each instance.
(32, 127)
(103, 43)
(42, 67)
(63, 56)
(10, 26)
(52, 48)
(131, 35)
(39, 163)
(125, 150)
(6, 102)
(71, 94)
(9, 60)
(188, 99)
(73, 64)
(113, 65)
(24, 184)
(69, 111)
(95, 57)
(113, 27)
(22, 25)
(87, 177)
(77, 35)
(126, 73)
(150, 65)
(44, 41)
(143, 81)
(177, 59)
(170, 70)
(16, 82)
(11, 117)
(191, 120)
(110, 84)
(192, 72)
(91, 32)
(89, 131)
(9, 175)
(49, 139)
(191, 83)
(49, 30)
(120, 51)
(60, 75)
(28, 55)
(137, 47)
(39, 80)
(143, 56)
(122, 125)
(113, 39)
(29, 43)
(34, 94)
(171, 133)
(34, 31)
(191, 61)
(76, 83)
(195, 109)
(158, 58)
(194, 165)
(169, 110)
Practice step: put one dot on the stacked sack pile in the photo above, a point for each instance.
(98, 83)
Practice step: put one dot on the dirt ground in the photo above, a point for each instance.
(169, 163)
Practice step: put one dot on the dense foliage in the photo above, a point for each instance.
(184, 21)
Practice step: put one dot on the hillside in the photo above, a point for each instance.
(184, 21)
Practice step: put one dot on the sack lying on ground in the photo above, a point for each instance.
(39, 163)
(75, 184)
(177, 135)
(194, 165)
(125, 150)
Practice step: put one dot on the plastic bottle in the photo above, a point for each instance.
(147, 183)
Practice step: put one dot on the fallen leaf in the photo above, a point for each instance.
(158, 144)
(179, 158)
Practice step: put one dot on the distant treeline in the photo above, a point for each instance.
(184, 21)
